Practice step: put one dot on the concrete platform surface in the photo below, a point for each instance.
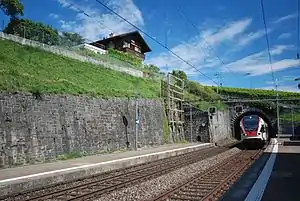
(284, 180)
(274, 177)
(35, 176)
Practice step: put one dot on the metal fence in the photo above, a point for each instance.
(289, 121)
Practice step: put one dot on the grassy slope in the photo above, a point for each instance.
(255, 93)
(23, 68)
(288, 116)
(28, 69)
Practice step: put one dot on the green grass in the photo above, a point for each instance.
(288, 117)
(107, 58)
(203, 105)
(28, 69)
(255, 93)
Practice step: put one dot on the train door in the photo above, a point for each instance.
(264, 131)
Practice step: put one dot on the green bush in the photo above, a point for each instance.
(254, 93)
(127, 57)
(203, 92)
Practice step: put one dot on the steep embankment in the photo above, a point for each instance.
(28, 69)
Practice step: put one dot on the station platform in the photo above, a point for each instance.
(274, 177)
(283, 183)
(18, 179)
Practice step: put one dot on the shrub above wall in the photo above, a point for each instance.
(127, 57)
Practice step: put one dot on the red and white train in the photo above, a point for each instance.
(254, 128)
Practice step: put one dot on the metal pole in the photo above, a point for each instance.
(277, 110)
(191, 123)
(136, 124)
(169, 107)
(24, 32)
(293, 131)
(218, 77)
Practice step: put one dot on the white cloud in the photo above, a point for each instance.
(278, 49)
(284, 18)
(101, 22)
(196, 51)
(247, 39)
(284, 35)
(258, 63)
(67, 25)
(54, 16)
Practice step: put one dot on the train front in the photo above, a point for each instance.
(253, 128)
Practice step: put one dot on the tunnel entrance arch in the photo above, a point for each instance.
(236, 123)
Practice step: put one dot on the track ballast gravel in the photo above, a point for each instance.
(153, 187)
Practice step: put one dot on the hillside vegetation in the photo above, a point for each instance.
(28, 69)
(254, 93)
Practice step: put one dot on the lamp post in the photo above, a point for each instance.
(248, 74)
(298, 80)
(218, 75)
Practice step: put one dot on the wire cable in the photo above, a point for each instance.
(180, 11)
(194, 26)
(298, 22)
(88, 15)
(158, 42)
(267, 40)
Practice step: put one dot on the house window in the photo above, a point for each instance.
(137, 49)
(126, 44)
(111, 45)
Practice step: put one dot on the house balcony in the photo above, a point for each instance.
(137, 54)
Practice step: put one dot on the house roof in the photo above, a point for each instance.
(135, 34)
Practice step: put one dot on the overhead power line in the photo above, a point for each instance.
(204, 40)
(88, 15)
(152, 38)
(267, 40)
(196, 29)
(298, 34)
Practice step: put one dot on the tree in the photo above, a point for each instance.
(181, 75)
(12, 8)
(33, 30)
(152, 68)
(71, 39)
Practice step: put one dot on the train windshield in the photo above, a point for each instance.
(250, 122)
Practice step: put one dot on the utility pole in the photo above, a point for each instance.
(191, 123)
(137, 118)
(277, 109)
(298, 80)
(250, 81)
(136, 123)
(219, 81)
(293, 127)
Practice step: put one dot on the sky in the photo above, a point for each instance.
(215, 37)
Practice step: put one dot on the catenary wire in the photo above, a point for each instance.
(158, 42)
(267, 40)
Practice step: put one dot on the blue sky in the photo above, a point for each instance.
(233, 29)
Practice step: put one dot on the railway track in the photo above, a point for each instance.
(91, 187)
(212, 183)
